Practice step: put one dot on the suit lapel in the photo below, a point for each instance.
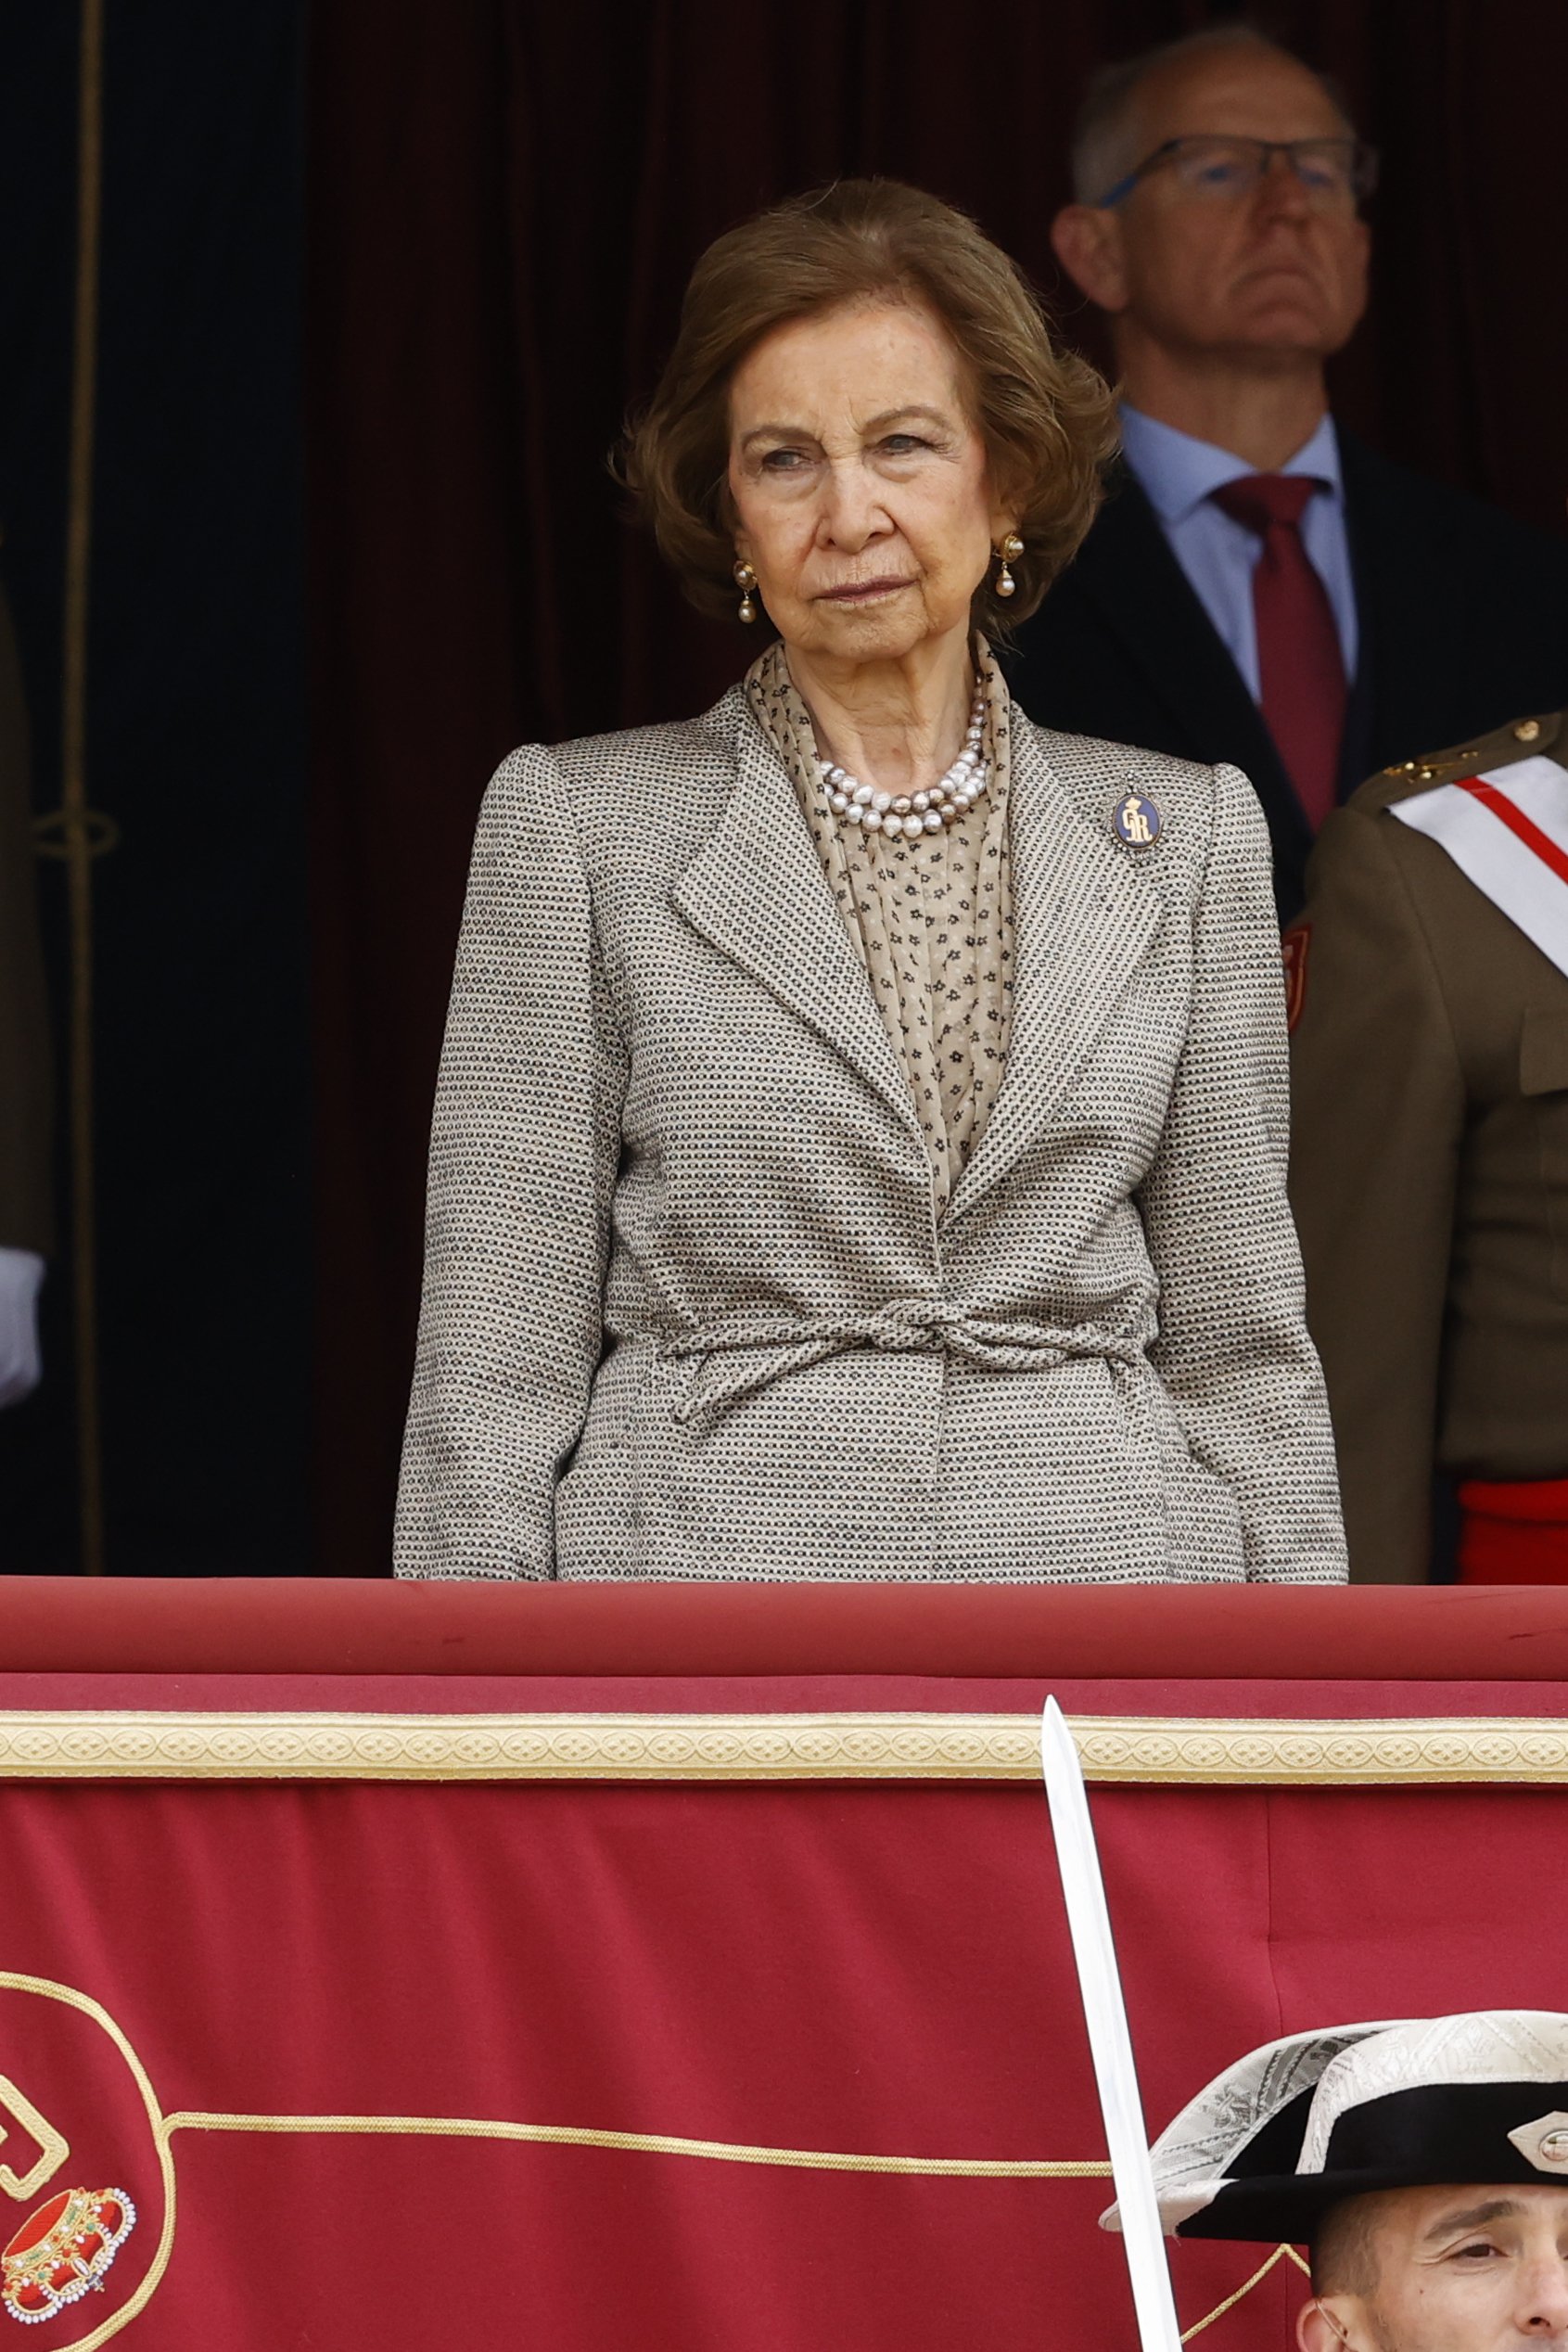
(1128, 571)
(1082, 918)
(1406, 611)
(1360, 529)
(755, 892)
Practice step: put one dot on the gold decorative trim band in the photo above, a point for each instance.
(1155, 1751)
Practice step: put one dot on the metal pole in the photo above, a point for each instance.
(82, 839)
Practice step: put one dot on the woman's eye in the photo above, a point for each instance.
(783, 461)
(1481, 2251)
(904, 445)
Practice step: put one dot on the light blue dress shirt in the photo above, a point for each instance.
(1177, 474)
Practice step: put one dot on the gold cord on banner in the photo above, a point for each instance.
(650, 2143)
(164, 2128)
(713, 2151)
(1280, 2254)
(75, 833)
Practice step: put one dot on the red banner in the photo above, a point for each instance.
(734, 2067)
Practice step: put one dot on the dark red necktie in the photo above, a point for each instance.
(1300, 664)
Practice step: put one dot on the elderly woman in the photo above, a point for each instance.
(860, 1146)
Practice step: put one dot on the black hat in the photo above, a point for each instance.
(1295, 2127)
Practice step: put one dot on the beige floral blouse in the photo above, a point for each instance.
(932, 919)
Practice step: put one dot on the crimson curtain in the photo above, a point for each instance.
(506, 198)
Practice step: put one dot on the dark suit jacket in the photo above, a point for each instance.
(1463, 621)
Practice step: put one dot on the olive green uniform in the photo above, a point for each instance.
(1429, 1162)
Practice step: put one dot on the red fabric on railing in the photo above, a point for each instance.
(370, 2016)
(871, 1971)
(349, 1625)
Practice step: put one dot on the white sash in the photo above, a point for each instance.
(1511, 838)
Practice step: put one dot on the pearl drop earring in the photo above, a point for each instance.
(745, 580)
(1008, 553)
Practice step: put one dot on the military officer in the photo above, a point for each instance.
(1425, 2164)
(1428, 987)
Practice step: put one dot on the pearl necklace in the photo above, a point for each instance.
(907, 814)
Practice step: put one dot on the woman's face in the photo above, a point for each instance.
(860, 488)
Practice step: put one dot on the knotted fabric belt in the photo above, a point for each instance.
(738, 1359)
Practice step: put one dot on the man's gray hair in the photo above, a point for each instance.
(1104, 139)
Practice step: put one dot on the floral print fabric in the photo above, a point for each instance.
(932, 919)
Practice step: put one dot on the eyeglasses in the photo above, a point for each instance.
(1336, 173)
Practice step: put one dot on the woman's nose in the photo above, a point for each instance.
(852, 513)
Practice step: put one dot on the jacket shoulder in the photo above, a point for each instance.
(1386, 494)
(1520, 740)
(666, 753)
(1090, 766)
(637, 800)
(1188, 803)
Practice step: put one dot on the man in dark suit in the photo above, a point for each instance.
(1260, 586)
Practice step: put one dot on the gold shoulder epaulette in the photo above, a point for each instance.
(1465, 758)
(1427, 771)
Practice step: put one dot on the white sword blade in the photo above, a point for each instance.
(1110, 2043)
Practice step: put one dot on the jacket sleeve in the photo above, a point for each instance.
(1379, 1106)
(1232, 1346)
(524, 1150)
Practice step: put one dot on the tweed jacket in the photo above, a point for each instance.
(688, 1311)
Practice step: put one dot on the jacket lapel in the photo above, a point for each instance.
(755, 892)
(1082, 918)
(1407, 613)
(1126, 571)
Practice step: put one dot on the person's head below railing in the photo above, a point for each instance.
(1425, 2165)
(860, 1144)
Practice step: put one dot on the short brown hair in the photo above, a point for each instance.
(1046, 418)
(1344, 2248)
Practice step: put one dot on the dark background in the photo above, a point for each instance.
(195, 750)
(437, 246)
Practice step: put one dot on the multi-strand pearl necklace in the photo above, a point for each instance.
(913, 812)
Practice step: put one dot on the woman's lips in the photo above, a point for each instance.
(862, 591)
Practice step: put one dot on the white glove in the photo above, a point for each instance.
(21, 1278)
